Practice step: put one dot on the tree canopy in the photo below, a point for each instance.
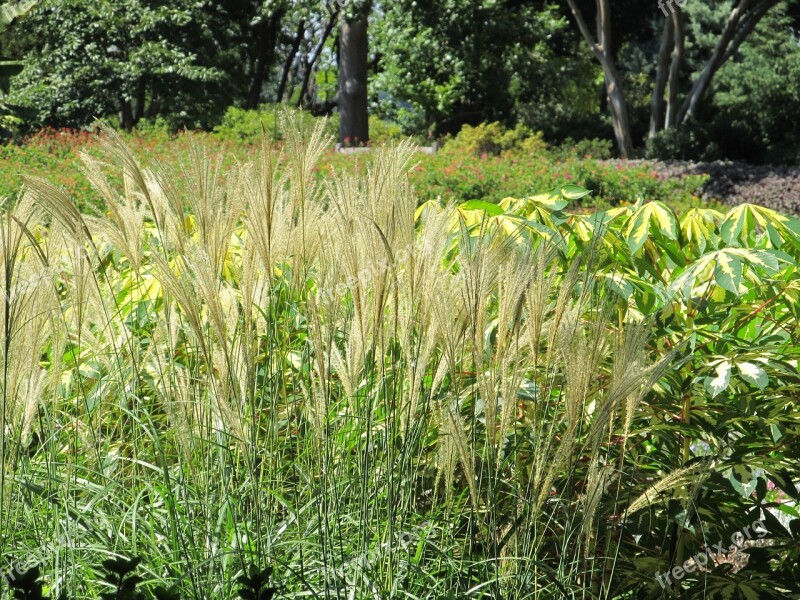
(652, 77)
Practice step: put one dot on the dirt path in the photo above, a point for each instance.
(776, 187)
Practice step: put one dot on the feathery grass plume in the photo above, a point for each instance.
(227, 414)
(304, 151)
(28, 319)
(447, 457)
(678, 477)
(453, 426)
(56, 201)
(215, 205)
(208, 302)
(124, 160)
(268, 217)
(355, 247)
(614, 404)
(143, 196)
(124, 223)
(502, 370)
(84, 313)
(538, 301)
(599, 478)
(451, 320)
(383, 372)
(178, 288)
(580, 350)
(390, 201)
(421, 275)
(344, 253)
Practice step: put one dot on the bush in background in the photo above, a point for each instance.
(490, 162)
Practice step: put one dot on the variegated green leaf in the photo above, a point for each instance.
(745, 224)
(573, 192)
(728, 272)
(652, 215)
(698, 227)
(553, 201)
(719, 383)
(488, 207)
(754, 374)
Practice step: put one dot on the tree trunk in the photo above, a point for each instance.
(353, 123)
(678, 27)
(138, 107)
(619, 110)
(657, 102)
(268, 31)
(125, 114)
(287, 66)
(312, 60)
(154, 106)
(603, 52)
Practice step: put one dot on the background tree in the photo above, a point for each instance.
(602, 48)
(742, 18)
(752, 112)
(353, 62)
(132, 58)
(10, 115)
(445, 64)
(263, 34)
(677, 82)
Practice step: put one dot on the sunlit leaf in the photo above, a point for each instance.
(551, 201)
(573, 192)
(487, 207)
(728, 272)
(651, 216)
(754, 374)
(719, 383)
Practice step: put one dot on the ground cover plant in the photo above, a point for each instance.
(380, 397)
(488, 162)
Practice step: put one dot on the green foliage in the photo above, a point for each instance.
(380, 131)
(132, 59)
(444, 64)
(457, 172)
(10, 11)
(10, 115)
(258, 366)
(26, 586)
(496, 139)
(754, 103)
(241, 125)
(255, 586)
(757, 97)
(118, 573)
(722, 291)
(434, 67)
(690, 141)
(601, 149)
(466, 169)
